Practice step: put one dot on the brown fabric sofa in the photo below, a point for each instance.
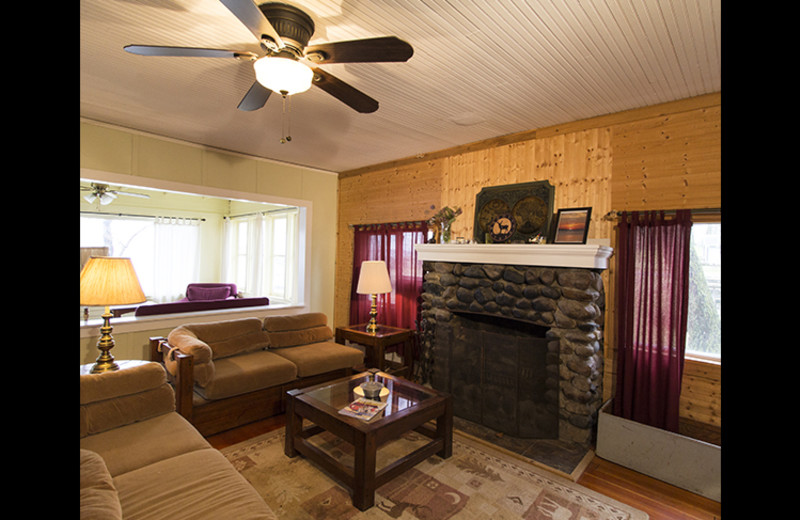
(230, 373)
(142, 460)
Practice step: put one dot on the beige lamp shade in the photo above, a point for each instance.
(108, 280)
(374, 278)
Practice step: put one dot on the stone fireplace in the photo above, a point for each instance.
(515, 334)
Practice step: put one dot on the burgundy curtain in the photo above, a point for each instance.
(394, 244)
(652, 300)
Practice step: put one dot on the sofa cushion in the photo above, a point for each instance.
(300, 329)
(107, 385)
(295, 322)
(292, 338)
(227, 338)
(99, 499)
(318, 358)
(136, 445)
(114, 399)
(198, 485)
(246, 373)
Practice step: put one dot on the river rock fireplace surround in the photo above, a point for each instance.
(515, 334)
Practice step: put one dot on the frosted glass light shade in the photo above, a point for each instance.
(373, 278)
(283, 75)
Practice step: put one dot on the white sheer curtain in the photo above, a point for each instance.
(176, 247)
(228, 253)
(284, 247)
(256, 256)
(243, 253)
(260, 253)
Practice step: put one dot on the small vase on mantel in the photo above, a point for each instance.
(441, 223)
(445, 235)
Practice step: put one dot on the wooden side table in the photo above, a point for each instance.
(376, 344)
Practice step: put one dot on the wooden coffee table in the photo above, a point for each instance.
(410, 407)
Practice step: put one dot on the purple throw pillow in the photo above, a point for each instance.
(207, 293)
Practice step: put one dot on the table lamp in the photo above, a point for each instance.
(373, 280)
(107, 280)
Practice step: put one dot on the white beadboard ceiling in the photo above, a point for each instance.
(480, 69)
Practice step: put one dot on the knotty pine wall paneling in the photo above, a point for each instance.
(660, 157)
(397, 194)
(671, 161)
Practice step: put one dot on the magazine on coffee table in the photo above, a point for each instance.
(363, 408)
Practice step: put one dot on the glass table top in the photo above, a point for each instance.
(399, 394)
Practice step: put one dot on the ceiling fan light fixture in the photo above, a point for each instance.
(283, 75)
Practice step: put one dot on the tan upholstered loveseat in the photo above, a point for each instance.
(234, 372)
(140, 459)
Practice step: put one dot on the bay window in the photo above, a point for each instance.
(262, 254)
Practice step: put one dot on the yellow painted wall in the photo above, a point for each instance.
(120, 153)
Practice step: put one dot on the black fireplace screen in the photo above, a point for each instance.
(497, 370)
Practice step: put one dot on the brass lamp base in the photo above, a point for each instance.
(105, 361)
(372, 326)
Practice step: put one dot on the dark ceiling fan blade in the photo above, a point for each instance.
(251, 16)
(255, 98)
(155, 50)
(348, 95)
(382, 49)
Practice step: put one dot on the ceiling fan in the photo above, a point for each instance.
(105, 195)
(289, 64)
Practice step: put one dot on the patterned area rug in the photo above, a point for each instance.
(476, 482)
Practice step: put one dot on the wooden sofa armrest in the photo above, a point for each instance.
(183, 379)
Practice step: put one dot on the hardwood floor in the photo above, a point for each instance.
(656, 498)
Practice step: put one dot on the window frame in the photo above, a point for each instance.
(132, 324)
(241, 242)
(705, 217)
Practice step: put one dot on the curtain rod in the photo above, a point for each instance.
(279, 210)
(403, 223)
(136, 216)
(613, 214)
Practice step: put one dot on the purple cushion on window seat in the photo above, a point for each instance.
(199, 305)
(194, 293)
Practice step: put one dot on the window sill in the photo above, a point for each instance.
(125, 324)
(698, 358)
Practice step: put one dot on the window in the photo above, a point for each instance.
(207, 244)
(704, 327)
(264, 254)
(163, 250)
(393, 243)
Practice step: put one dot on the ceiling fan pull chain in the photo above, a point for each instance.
(289, 121)
(286, 128)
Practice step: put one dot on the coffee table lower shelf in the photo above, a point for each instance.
(366, 437)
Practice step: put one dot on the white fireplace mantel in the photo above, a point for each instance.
(587, 256)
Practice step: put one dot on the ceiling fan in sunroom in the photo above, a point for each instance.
(290, 65)
(103, 194)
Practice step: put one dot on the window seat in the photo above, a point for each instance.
(199, 305)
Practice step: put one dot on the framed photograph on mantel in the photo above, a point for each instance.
(572, 226)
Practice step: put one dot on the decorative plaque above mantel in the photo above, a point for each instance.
(513, 212)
